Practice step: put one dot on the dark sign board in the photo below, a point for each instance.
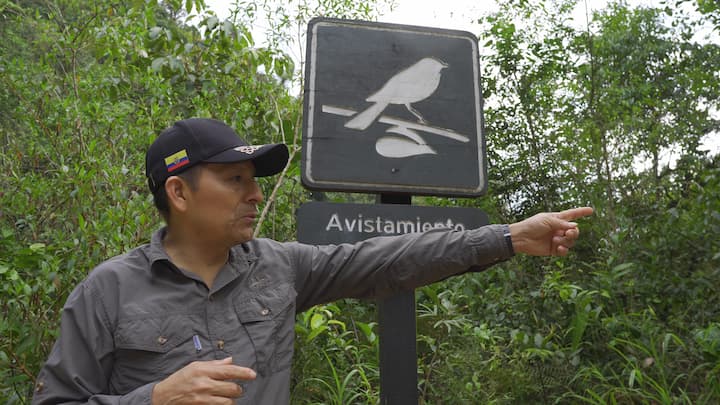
(333, 223)
(392, 109)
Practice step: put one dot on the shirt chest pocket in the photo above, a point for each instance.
(268, 317)
(150, 349)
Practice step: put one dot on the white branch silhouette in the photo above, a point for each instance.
(345, 112)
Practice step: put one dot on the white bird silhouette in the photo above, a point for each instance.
(410, 85)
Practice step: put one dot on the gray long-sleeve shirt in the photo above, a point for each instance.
(138, 318)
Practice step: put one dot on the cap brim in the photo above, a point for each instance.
(268, 159)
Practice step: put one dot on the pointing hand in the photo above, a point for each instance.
(548, 234)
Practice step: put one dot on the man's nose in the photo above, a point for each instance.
(256, 195)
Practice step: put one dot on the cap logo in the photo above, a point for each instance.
(248, 149)
(177, 160)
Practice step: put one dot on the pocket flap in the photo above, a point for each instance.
(265, 304)
(155, 334)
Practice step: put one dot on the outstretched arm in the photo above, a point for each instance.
(548, 233)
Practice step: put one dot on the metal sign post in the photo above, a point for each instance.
(398, 341)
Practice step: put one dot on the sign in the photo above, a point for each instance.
(392, 109)
(326, 223)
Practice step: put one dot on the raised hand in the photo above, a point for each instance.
(202, 382)
(548, 233)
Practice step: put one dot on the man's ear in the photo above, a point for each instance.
(177, 193)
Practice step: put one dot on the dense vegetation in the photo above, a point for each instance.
(574, 116)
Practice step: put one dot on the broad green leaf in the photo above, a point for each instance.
(317, 320)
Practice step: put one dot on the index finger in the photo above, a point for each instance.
(231, 372)
(575, 213)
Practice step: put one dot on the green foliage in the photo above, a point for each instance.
(84, 90)
(336, 356)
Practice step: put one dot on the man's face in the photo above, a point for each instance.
(223, 206)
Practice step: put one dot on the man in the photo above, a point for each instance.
(204, 314)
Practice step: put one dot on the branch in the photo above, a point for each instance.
(281, 178)
(21, 366)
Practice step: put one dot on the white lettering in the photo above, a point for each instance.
(334, 223)
(369, 226)
(380, 225)
(405, 227)
(389, 227)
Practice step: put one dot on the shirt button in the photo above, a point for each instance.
(162, 340)
(264, 311)
(39, 386)
(221, 344)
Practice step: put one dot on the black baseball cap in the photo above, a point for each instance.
(194, 140)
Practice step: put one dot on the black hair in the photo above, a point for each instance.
(160, 196)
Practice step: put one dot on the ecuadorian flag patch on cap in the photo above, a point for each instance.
(176, 160)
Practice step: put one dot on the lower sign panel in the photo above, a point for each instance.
(325, 223)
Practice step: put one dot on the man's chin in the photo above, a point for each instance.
(244, 236)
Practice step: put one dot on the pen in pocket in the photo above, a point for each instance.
(196, 342)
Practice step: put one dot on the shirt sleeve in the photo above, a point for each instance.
(381, 266)
(78, 368)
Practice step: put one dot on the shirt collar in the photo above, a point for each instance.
(156, 251)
